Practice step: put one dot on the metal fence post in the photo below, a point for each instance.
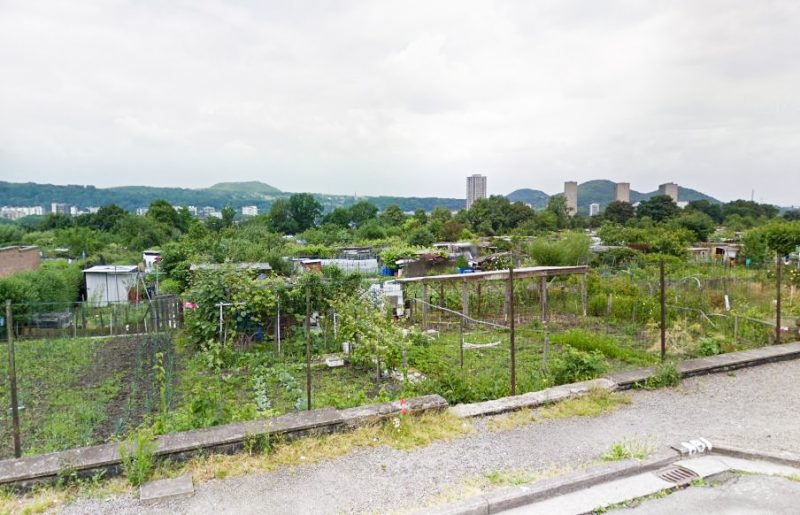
(12, 378)
(308, 346)
(778, 270)
(511, 327)
(663, 312)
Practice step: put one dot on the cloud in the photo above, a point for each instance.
(403, 98)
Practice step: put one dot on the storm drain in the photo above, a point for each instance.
(676, 474)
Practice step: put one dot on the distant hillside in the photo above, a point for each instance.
(245, 187)
(238, 194)
(536, 198)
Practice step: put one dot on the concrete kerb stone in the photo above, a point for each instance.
(166, 489)
(790, 459)
(531, 399)
(496, 502)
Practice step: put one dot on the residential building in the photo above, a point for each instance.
(249, 210)
(17, 259)
(571, 195)
(60, 208)
(594, 209)
(141, 211)
(476, 188)
(669, 189)
(622, 192)
(16, 212)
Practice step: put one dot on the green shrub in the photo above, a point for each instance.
(574, 365)
(709, 347)
(666, 374)
(138, 456)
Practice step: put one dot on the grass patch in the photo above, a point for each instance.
(510, 421)
(512, 477)
(605, 344)
(628, 449)
(413, 432)
(593, 404)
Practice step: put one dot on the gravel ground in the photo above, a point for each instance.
(755, 408)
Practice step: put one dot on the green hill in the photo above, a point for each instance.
(536, 198)
(245, 187)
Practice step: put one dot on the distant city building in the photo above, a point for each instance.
(622, 192)
(476, 188)
(59, 208)
(594, 209)
(571, 195)
(16, 212)
(73, 211)
(669, 189)
(192, 210)
(249, 210)
(92, 209)
(141, 211)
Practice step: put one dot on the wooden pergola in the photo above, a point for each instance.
(507, 275)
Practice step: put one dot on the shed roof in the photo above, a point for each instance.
(111, 269)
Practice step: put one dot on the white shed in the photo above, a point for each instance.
(107, 284)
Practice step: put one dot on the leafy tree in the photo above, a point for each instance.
(392, 216)
(782, 237)
(304, 210)
(371, 230)
(619, 212)
(105, 219)
(792, 215)
(421, 237)
(162, 212)
(659, 207)
(228, 215)
(713, 210)
(421, 216)
(10, 234)
(362, 212)
(56, 221)
(557, 204)
(748, 208)
(81, 241)
(451, 231)
(340, 217)
(280, 217)
(700, 224)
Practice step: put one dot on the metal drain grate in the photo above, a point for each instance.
(677, 474)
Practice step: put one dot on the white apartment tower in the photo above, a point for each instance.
(476, 188)
(594, 209)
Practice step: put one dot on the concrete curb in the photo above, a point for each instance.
(790, 459)
(496, 502)
(28, 471)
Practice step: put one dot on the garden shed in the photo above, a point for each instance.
(109, 284)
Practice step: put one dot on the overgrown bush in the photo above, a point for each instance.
(138, 456)
(665, 375)
(574, 365)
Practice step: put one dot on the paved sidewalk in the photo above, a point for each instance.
(755, 408)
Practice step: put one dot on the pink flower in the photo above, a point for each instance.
(403, 411)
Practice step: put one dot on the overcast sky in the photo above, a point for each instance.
(403, 98)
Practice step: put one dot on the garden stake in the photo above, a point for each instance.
(12, 378)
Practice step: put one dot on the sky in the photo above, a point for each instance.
(403, 98)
